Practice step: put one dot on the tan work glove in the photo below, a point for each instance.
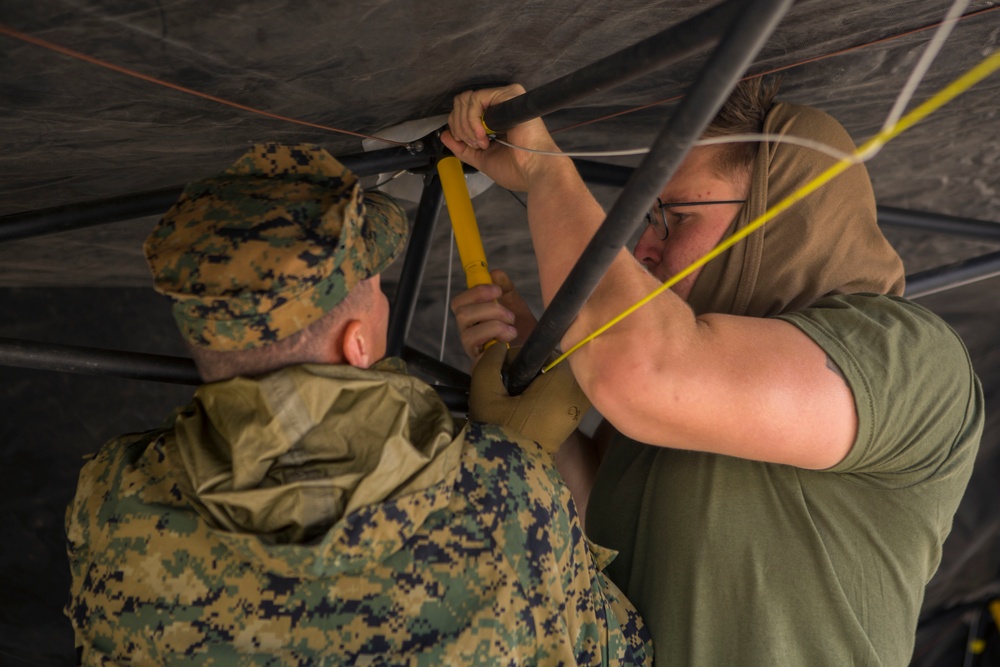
(548, 411)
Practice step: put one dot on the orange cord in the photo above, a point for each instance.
(10, 32)
(123, 70)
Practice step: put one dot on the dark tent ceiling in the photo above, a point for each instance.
(75, 131)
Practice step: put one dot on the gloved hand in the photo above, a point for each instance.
(548, 411)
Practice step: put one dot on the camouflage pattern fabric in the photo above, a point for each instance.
(269, 246)
(485, 565)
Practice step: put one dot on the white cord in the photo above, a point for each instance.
(447, 293)
(732, 138)
(920, 71)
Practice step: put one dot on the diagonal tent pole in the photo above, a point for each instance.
(729, 60)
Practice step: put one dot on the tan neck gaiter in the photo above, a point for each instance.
(828, 243)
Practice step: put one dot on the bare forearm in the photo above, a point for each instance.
(563, 216)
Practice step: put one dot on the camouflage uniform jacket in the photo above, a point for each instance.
(330, 515)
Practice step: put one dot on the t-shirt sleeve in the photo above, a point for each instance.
(919, 403)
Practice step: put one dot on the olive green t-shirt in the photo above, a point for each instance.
(736, 562)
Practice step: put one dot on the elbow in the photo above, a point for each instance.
(628, 387)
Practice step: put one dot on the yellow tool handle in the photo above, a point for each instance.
(463, 221)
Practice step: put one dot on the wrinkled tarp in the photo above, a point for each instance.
(74, 132)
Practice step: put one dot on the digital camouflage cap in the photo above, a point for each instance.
(266, 248)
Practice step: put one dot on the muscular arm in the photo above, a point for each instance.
(746, 387)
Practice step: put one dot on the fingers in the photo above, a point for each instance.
(481, 319)
(466, 118)
(465, 121)
(465, 136)
(467, 114)
(475, 338)
(477, 294)
(475, 314)
(478, 313)
(524, 319)
(465, 124)
(502, 280)
(465, 153)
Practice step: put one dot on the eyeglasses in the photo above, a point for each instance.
(659, 222)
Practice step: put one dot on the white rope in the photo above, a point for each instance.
(447, 293)
(920, 71)
(728, 139)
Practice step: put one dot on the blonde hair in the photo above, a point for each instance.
(742, 113)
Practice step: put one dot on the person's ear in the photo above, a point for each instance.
(356, 348)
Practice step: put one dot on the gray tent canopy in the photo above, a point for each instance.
(93, 154)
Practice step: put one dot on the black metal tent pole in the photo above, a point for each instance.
(95, 361)
(888, 216)
(950, 276)
(939, 223)
(671, 45)
(603, 173)
(175, 370)
(918, 284)
(156, 202)
(87, 214)
(717, 78)
(422, 233)
(438, 371)
(404, 303)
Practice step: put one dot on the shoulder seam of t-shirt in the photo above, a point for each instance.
(813, 328)
(841, 355)
(866, 423)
